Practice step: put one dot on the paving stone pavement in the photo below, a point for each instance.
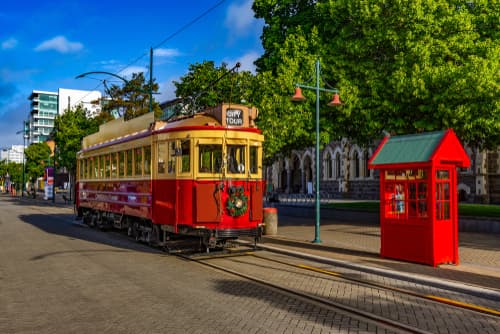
(359, 242)
(60, 277)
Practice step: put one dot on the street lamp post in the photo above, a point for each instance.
(335, 102)
(149, 91)
(25, 132)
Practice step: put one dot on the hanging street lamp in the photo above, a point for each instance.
(298, 97)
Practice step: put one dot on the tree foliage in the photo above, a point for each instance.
(13, 169)
(130, 100)
(37, 158)
(401, 66)
(206, 85)
(70, 128)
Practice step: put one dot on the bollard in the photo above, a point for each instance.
(270, 221)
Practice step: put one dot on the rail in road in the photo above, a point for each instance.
(385, 303)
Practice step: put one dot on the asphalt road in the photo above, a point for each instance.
(57, 276)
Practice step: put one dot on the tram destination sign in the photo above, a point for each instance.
(234, 117)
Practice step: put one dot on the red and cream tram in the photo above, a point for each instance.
(199, 175)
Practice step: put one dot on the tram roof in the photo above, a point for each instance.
(232, 116)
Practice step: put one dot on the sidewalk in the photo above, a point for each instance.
(357, 243)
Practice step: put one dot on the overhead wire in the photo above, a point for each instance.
(166, 39)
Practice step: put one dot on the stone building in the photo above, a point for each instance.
(345, 174)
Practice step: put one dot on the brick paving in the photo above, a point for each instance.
(60, 277)
(359, 242)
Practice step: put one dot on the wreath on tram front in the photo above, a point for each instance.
(237, 202)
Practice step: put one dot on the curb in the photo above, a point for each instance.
(416, 278)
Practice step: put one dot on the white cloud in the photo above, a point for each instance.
(166, 53)
(9, 44)
(60, 44)
(240, 18)
(246, 61)
(127, 72)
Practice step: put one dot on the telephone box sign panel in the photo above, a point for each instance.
(234, 117)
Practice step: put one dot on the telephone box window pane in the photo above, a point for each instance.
(442, 175)
(412, 191)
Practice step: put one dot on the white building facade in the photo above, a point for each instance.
(14, 154)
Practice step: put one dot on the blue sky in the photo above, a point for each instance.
(44, 45)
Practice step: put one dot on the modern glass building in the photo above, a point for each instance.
(43, 112)
(45, 106)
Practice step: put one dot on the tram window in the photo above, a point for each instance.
(121, 164)
(114, 165)
(210, 158)
(81, 168)
(147, 160)
(107, 169)
(92, 168)
(254, 159)
(138, 161)
(130, 161)
(162, 153)
(186, 156)
(236, 159)
(172, 155)
(102, 163)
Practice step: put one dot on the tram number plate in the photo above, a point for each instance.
(234, 117)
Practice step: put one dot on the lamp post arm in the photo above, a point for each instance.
(321, 89)
(101, 72)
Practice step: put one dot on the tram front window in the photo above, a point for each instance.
(236, 159)
(210, 159)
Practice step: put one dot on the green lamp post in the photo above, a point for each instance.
(335, 102)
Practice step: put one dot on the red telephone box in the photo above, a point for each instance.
(418, 196)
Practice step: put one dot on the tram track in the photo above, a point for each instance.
(443, 300)
(308, 298)
(449, 305)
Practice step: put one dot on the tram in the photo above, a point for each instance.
(198, 175)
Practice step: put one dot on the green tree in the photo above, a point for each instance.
(206, 85)
(130, 100)
(37, 158)
(70, 128)
(14, 170)
(401, 66)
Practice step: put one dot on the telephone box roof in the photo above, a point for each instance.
(430, 147)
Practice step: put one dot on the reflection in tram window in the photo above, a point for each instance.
(254, 159)
(186, 159)
(172, 155)
(138, 161)
(121, 163)
(129, 162)
(147, 160)
(102, 163)
(162, 154)
(210, 158)
(236, 159)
